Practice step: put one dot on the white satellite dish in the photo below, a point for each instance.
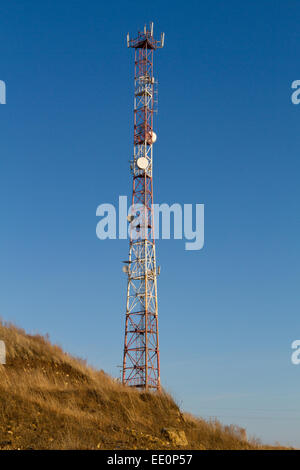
(142, 163)
(153, 137)
(125, 269)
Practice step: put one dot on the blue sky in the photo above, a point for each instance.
(228, 137)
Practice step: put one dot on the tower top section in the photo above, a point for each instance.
(145, 39)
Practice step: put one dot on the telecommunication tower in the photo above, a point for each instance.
(141, 366)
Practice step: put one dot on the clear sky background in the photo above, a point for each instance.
(228, 137)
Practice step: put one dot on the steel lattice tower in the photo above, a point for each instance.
(141, 366)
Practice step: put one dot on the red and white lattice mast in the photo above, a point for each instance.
(141, 366)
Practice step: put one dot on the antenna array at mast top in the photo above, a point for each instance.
(145, 39)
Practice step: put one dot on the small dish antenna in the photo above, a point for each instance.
(142, 163)
(153, 137)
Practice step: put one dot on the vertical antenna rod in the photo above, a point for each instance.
(141, 366)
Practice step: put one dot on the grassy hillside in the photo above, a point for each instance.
(50, 400)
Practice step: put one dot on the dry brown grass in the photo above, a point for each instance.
(50, 400)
